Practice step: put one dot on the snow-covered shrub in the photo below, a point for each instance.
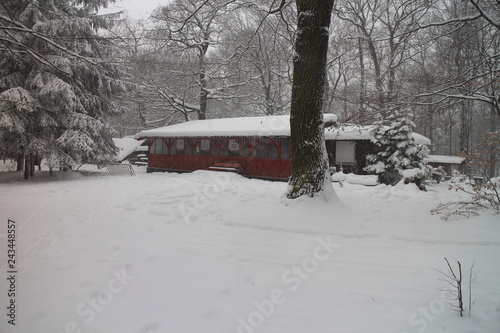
(399, 156)
(458, 177)
(438, 174)
(482, 198)
(484, 194)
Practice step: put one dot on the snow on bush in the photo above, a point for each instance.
(399, 156)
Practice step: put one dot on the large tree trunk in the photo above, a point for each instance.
(26, 166)
(493, 149)
(20, 162)
(362, 83)
(32, 165)
(310, 175)
(202, 114)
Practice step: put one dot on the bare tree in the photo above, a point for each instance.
(192, 27)
(385, 31)
(258, 49)
(470, 31)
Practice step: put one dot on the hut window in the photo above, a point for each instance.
(205, 147)
(345, 152)
(165, 147)
(193, 144)
(213, 148)
(285, 148)
(245, 147)
(260, 149)
(224, 150)
(180, 146)
(158, 146)
(152, 146)
(173, 147)
(273, 151)
(234, 147)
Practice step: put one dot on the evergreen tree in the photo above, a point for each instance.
(55, 85)
(399, 156)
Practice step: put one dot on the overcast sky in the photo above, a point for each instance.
(135, 8)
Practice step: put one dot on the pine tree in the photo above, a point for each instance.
(55, 85)
(399, 156)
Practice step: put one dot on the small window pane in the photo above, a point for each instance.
(245, 146)
(152, 146)
(205, 147)
(261, 148)
(285, 148)
(158, 146)
(256, 149)
(180, 146)
(273, 151)
(234, 147)
(344, 152)
(213, 148)
(224, 150)
(165, 147)
(173, 147)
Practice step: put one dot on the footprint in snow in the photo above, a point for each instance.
(64, 267)
(225, 292)
(149, 328)
(249, 279)
(41, 318)
(231, 257)
(116, 250)
(130, 207)
(212, 313)
(152, 258)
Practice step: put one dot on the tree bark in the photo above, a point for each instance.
(20, 161)
(202, 114)
(362, 82)
(310, 175)
(32, 165)
(493, 149)
(26, 166)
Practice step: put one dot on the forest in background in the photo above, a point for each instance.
(438, 60)
(68, 72)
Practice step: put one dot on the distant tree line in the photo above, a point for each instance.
(64, 69)
(436, 59)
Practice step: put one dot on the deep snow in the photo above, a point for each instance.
(215, 252)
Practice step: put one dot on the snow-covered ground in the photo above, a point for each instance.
(215, 252)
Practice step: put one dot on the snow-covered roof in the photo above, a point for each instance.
(260, 126)
(349, 132)
(126, 146)
(446, 159)
(244, 126)
(358, 132)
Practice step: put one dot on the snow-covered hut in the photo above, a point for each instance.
(447, 162)
(135, 151)
(253, 146)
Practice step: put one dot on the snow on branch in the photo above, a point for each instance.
(22, 100)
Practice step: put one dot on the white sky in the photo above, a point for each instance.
(135, 8)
